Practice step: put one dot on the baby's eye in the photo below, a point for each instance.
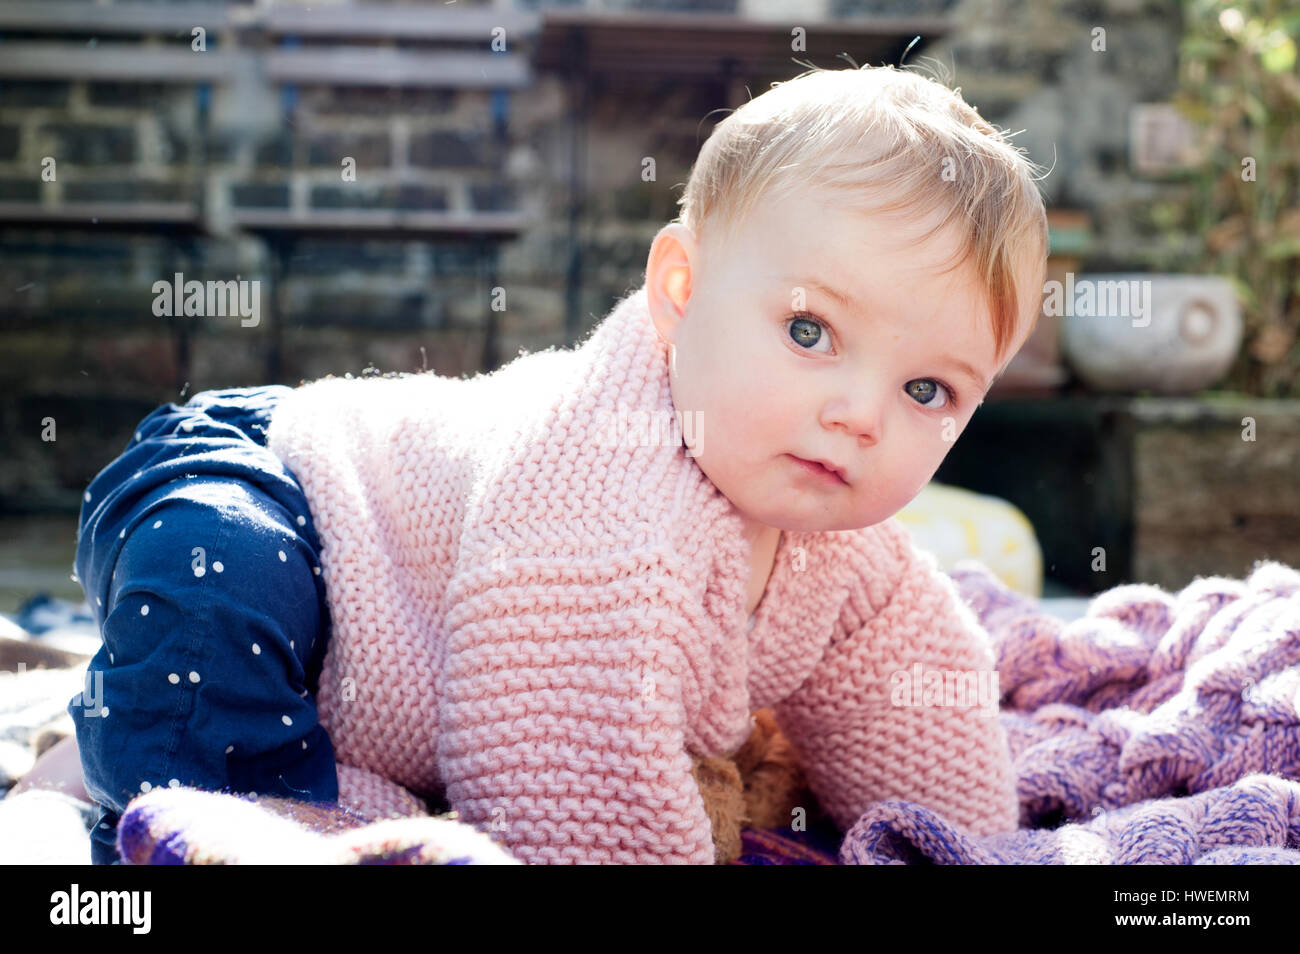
(805, 332)
(924, 390)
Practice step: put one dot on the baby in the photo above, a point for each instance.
(531, 609)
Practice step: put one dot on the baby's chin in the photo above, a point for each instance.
(828, 526)
(809, 519)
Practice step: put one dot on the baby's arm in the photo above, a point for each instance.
(859, 745)
(562, 715)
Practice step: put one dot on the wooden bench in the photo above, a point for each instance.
(1141, 489)
(150, 217)
(343, 64)
(237, 47)
(282, 231)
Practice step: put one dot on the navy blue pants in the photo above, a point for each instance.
(198, 557)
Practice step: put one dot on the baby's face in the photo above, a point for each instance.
(775, 367)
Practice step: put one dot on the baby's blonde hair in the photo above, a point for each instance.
(903, 143)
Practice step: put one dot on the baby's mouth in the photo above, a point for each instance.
(819, 471)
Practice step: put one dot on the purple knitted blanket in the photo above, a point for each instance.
(1159, 728)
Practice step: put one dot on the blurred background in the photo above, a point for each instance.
(379, 168)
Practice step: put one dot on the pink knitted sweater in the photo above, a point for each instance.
(538, 617)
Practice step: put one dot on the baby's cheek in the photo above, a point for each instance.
(919, 478)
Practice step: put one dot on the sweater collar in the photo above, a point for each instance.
(813, 572)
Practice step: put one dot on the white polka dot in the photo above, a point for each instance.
(122, 534)
(283, 558)
(137, 474)
(157, 524)
(105, 712)
(110, 657)
(144, 610)
(137, 435)
(174, 783)
(303, 693)
(199, 571)
(98, 601)
(286, 720)
(194, 676)
(173, 678)
(217, 565)
(316, 570)
(229, 749)
(188, 425)
(103, 825)
(302, 521)
(257, 650)
(304, 743)
(291, 644)
(88, 495)
(145, 786)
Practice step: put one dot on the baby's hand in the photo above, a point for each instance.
(58, 769)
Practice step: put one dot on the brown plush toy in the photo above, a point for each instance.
(759, 786)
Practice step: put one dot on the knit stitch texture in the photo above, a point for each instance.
(185, 826)
(1159, 728)
(538, 616)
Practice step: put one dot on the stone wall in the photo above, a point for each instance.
(1032, 66)
(81, 342)
(76, 306)
(354, 302)
(1151, 490)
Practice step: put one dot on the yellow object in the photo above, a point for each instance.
(956, 524)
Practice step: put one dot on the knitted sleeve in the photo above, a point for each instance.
(882, 715)
(562, 712)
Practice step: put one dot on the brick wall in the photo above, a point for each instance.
(1032, 66)
(76, 308)
(80, 340)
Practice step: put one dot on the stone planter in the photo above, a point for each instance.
(1131, 332)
